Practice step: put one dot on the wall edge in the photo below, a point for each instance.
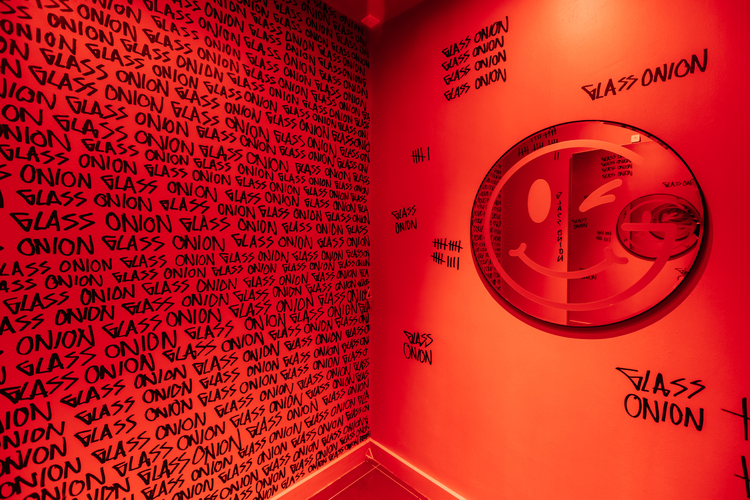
(412, 475)
(326, 475)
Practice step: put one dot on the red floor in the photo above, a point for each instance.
(368, 481)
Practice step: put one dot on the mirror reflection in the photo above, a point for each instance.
(587, 224)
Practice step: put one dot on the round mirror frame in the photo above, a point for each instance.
(587, 224)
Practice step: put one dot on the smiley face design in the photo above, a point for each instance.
(587, 224)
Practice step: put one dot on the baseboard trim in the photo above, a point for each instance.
(412, 475)
(370, 450)
(319, 479)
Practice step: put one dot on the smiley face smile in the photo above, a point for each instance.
(609, 259)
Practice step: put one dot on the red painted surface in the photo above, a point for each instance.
(510, 408)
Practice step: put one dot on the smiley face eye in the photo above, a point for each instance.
(539, 201)
(598, 196)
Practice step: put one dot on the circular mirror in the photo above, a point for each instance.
(587, 224)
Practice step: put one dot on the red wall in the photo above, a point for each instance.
(496, 405)
(185, 247)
